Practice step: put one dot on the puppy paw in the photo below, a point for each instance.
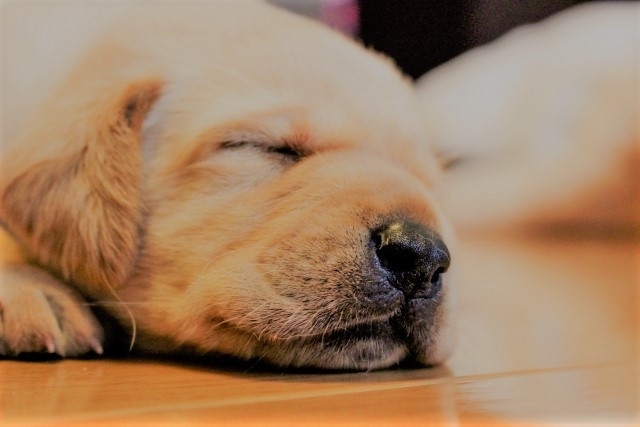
(39, 314)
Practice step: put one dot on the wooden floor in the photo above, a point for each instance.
(548, 334)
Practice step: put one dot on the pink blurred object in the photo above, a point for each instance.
(342, 15)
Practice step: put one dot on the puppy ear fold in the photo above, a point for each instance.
(74, 202)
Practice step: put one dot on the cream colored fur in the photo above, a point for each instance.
(148, 183)
(545, 122)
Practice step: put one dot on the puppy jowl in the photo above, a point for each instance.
(230, 179)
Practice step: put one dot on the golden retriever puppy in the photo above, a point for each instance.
(222, 179)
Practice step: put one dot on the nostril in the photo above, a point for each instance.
(393, 249)
(435, 282)
(397, 258)
(414, 258)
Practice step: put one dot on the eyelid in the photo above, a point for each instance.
(285, 150)
(235, 144)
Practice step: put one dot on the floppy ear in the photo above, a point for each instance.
(74, 201)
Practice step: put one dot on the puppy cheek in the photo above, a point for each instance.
(230, 295)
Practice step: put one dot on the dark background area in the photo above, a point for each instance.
(421, 34)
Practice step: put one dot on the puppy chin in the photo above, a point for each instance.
(445, 343)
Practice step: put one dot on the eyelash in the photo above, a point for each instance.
(286, 151)
(283, 150)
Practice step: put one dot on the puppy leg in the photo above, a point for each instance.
(40, 314)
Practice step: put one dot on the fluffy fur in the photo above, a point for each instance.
(543, 125)
(211, 177)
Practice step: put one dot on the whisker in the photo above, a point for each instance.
(106, 303)
(134, 328)
(214, 259)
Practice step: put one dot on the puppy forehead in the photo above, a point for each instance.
(292, 98)
(336, 107)
(274, 58)
(307, 128)
(272, 76)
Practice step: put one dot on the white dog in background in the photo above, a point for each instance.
(544, 123)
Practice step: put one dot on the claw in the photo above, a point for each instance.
(95, 345)
(50, 345)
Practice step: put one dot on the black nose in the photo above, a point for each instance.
(412, 257)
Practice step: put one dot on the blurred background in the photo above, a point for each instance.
(438, 29)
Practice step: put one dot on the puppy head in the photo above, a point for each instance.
(279, 206)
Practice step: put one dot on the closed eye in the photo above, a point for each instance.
(287, 151)
(284, 151)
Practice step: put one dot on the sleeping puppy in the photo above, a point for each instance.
(225, 179)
